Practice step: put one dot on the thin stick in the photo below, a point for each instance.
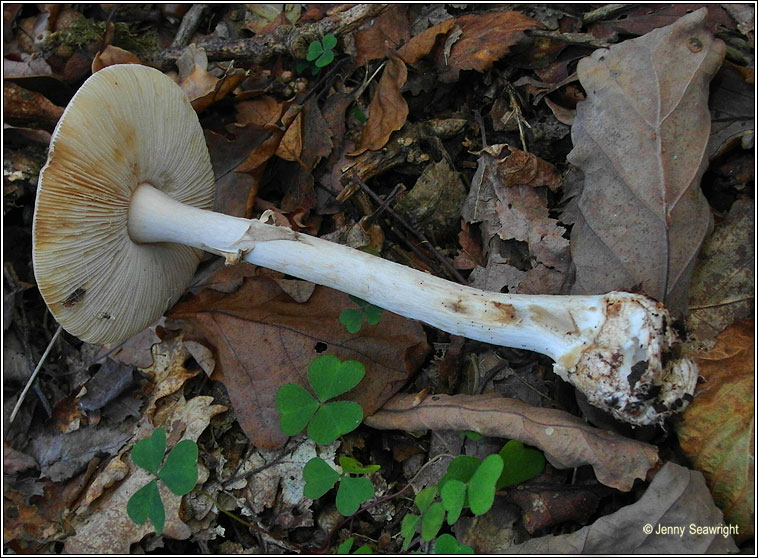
(34, 374)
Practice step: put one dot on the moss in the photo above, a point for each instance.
(85, 31)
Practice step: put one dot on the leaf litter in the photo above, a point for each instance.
(408, 103)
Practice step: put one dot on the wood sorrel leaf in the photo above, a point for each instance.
(146, 504)
(319, 478)
(180, 470)
(332, 420)
(331, 377)
(148, 452)
(481, 492)
(296, 407)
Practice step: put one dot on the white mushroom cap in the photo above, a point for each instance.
(127, 125)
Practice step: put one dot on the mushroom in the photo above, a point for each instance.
(122, 215)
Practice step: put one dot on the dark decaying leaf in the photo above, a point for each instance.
(262, 339)
(723, 283)
(677, 497)
(641, 139)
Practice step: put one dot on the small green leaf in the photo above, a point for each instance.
(319, 478)
(325, 59)
(470, 434)
(148, 452)
(425, 497)
(314, 51)
(352, 493)
(408, 528)
(352, 319)
(431, 521)
(345, 546)
(448, 544)
(453, 495)
(373, 314)
(146, 504)
(301, 66)
(461, 468)
(360, 116)
(180, 470)
(352, 465)
(329, 41)
(331, 377)
(296, 407)
(364, 549)
(333, 420)
(481, 487)
(520, 464)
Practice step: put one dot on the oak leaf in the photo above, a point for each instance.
(641, 138)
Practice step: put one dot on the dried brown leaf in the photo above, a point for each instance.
(717, 430)
(484, 39)
(566, 440)
(506, 194)
(640, 137)
(422, 44)
(389, 29)
(388, 109)
(112, 55)
(723, 282)
(677, 497)
(22, 107)
(262, 339)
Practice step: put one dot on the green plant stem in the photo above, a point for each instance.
(251, 525)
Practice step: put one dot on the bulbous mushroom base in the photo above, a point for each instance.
(632, 369)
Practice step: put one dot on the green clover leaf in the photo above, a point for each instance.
(146, 504)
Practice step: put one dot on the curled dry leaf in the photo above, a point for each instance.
(566, 440)
(388, 109)
(28, 108)
(262, 340)
(111, 55)
(717, 430)
(677, 497)
(641, 138)
(484, 39)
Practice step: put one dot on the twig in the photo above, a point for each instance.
(189, 25)
(577, 39)
(250, 525)
(603, 12)
(285, 40)
(34, 374)
(446, 264)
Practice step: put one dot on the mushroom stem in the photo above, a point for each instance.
(611, 346)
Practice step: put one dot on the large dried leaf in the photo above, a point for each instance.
(263, 339)
(717, 430)
(641, 138)
(723, 283)
(566, 440)
(677, 497)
